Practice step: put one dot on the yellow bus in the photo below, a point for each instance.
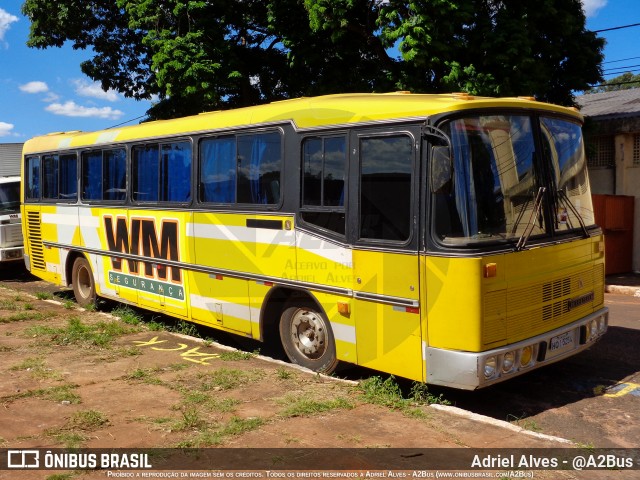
(448, 239)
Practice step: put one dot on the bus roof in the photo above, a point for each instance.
(303, 113)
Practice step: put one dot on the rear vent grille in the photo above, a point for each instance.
(35, 240)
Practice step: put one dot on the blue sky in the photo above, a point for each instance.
(44, 91)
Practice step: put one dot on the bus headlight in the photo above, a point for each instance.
(490, 366)
(526, 356)
(508, 361)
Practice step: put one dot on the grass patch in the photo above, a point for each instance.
(87, 420)
(216, 436)
(36, 366)
(145, 375)
(44, 296)
(214, 404)
(8, 305)
(226, 379)
(60, 393)
(387, 393)
(524, 423)
(70, 440)
(185, 328)
(61, 476)
(127, 315)
(236, 355)
(69, 304)
(23, 317)
(305, 407)
(100, 334)
(284, 373)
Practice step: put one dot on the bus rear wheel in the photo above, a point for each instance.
(307, 338)
(84, 288)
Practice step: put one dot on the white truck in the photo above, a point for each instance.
(11, 244)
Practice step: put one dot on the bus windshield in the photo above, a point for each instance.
(10, 197)
(493, 192)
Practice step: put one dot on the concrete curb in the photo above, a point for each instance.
(622, 290)
(498, 423)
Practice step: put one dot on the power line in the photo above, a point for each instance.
(123, 123)
(616, 28)
(614, 84)
(620, 69)
(621, 60)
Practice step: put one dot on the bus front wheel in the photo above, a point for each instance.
(307, 338)
(84, 288)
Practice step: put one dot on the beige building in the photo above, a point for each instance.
(612, 137)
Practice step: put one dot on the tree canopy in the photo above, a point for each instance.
(199, 55)
(622, 82)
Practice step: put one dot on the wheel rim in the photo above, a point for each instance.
(309, 333)
(84, 282)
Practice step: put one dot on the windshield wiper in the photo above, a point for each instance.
(574, 210)
(528, 229)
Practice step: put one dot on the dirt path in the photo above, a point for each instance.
(75, 378)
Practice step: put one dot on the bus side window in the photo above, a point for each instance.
(323, 184)
(33, 178)
(259, 167)
(218, 170)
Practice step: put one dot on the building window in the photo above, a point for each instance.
(601, 152)
(636, 150)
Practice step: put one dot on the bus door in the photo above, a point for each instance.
(385, 259)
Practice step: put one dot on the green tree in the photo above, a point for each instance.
(621, 82)
(198, 55)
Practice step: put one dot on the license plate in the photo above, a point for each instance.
(559, 342)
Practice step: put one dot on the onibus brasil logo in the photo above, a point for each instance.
(140, 237)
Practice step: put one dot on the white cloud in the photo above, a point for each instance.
(51, 97)
(34, 87)
(94, 90)
(5, 129)
(591, 7)
(72, 109)
(6, 19)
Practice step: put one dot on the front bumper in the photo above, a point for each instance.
(473, 370)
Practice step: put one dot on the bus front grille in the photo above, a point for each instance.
(515, 314)
(544, 306)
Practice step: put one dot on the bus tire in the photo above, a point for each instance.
(307, 338)
(84, 287)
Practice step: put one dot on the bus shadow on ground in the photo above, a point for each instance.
(614, 358)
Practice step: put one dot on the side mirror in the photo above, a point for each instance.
(441, 169)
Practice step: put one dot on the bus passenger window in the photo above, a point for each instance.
(145, 173)
(68, 177)
(259, 166)
(175, 172)
(115, 174)
(385, 188)
(218, 170)
(92, 175)
(50, 177)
